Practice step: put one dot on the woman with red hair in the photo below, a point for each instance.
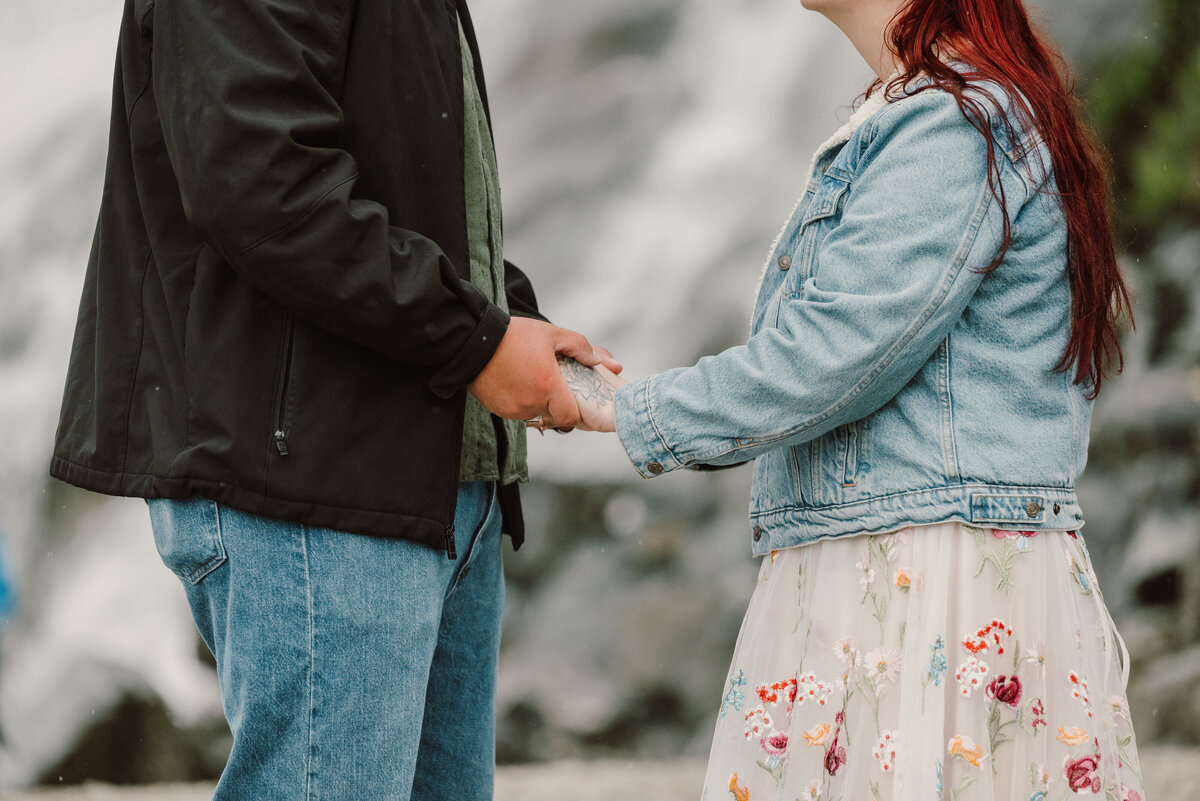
(931, 329)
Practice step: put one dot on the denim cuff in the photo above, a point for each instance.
(638, 433)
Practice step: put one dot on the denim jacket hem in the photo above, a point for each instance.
(1014, 508)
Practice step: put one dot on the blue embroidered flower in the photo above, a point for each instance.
(935, 668)
(735, 697)
(938, 795)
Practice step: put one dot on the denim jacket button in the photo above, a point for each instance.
(785, 262)
(655, 468)
(1033, 508)
(757, 533)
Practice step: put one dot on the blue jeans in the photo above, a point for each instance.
(350, 667)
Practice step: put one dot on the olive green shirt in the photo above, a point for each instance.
(480, 451)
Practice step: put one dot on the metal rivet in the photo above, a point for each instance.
(1033, 509)
(655, 468)
(1057, 508)
(757, 533)
(785, 262)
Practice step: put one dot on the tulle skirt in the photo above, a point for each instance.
(938, 662)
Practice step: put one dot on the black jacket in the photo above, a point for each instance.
(277, 313)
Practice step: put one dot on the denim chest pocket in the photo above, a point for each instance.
(187, 535)
(821, 215)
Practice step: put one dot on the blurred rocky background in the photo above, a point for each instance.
(649, 149)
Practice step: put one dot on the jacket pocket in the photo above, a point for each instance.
(187, 535)
(852, 432)
(827, 200)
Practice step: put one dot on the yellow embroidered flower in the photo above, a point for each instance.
(740, 791)
(818, 734)
(1072, 736)
(963, 746)
(902, 579)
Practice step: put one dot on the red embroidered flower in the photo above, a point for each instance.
(835, 757)
(1006, 689)
(1039, 712)
(775, 743)
(1081, 774)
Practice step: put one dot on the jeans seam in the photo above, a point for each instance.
(469, 556)
(309, 759)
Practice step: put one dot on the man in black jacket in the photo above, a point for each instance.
(300, 341)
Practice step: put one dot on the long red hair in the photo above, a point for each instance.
(997, 40)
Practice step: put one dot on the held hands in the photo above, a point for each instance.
(523, 379)
(595, 391)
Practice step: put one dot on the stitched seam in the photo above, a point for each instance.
(137, 362)
(309, 759)
(299, 219)
(877, 498)
(658, 432)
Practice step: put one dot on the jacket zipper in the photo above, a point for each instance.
(285, 368)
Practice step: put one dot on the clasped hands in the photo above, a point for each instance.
(551, 377)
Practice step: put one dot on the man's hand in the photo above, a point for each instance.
(595, 390)
(523, 381)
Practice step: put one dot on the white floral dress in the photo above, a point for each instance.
(939, 662)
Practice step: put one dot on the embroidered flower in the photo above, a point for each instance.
(885, 752)
(757, 722)
(1080, 575)
(774, 693)
(935, 668)
(1072, 735)
(1037, 655)
(1134, 795)
(835, 757)
(1039, 713)
(1005, 689)
(988, 637)
(1079, 689)
(818, 734)
(1120, 707)
(1081, 773)
(971, 675)
(812, 792)
(809, 688)
(738, 790)
(775, 743)
(965, 748)
(882, 666)
(901, 579)
(735, 698)
(868, 572)
(844, 648)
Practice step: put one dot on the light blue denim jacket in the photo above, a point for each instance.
(888, 380)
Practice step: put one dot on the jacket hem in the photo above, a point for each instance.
(1020, 508)
(387, 525)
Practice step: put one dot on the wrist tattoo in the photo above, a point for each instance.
(585, 383)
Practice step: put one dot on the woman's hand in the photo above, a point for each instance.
(595, 391)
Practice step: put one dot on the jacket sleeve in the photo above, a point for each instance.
(247, 96)
(521, 300)
(895, 274)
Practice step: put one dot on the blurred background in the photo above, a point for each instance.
(649, 151)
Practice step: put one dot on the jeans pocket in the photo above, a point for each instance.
(187, 535)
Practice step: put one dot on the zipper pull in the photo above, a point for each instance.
(451, 551)
(281, 443)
